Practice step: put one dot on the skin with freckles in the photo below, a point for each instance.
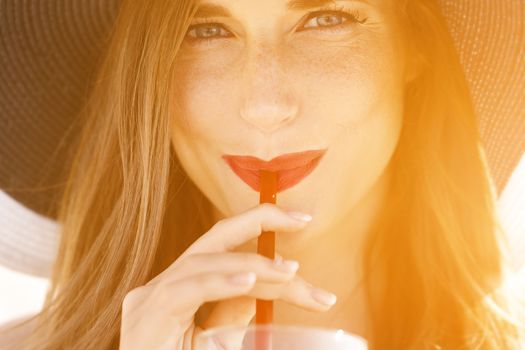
(269, 80)
(404, 227)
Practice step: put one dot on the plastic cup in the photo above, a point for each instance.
(277, 337)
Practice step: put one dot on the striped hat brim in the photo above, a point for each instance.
(49, 52)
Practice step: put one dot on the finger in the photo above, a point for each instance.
(270, 270)
(189, 336)
(232, 312)
(186, 296)
(196, 331)
(297, 292)
(228, 233)
(240, 311)
(189, 294)
(237, 311)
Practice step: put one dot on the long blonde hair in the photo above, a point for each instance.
(437, 240)
(439, 244)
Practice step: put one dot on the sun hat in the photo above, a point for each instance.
(50, 50)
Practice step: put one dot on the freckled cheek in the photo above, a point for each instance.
(340, 83)
(339, 80)
(204, 98)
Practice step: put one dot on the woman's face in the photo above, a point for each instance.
(263, 79)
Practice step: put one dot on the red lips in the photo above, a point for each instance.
(291, 168)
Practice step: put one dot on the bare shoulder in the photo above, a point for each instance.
(9, 338)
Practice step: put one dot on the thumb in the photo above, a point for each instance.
(237, 311)
(231, 312)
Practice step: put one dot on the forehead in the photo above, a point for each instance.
(226, 8)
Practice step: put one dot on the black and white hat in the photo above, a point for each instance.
(50, 49)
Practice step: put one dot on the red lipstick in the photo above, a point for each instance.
(291, 168)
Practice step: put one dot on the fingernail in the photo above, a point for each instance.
(243, 279)
(286, 265)
(300, 216)
(324, 297)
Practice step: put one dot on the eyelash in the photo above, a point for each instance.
(354, 16)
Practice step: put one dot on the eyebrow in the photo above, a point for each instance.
(213, 10)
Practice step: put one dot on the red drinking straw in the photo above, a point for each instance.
(265, 247)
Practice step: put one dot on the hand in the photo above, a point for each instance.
(160, 314)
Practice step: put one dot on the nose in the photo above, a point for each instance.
(268, 102)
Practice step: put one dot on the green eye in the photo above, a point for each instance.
(330, 18)
(323, 19)
(206, 31)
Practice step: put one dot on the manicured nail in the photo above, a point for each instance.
(243, 278)
(324, 297)
(300, 216)
(286, 265)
